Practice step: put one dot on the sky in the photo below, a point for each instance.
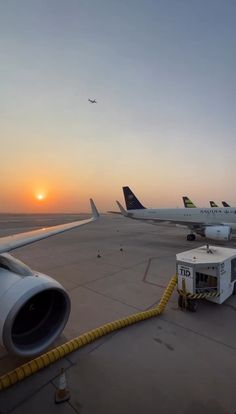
(163, 74)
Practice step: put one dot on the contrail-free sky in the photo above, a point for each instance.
(163, 73)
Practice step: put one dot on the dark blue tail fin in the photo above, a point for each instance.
(213, 204)
(225, 204)
(132, 203)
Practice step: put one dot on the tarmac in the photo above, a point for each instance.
(179, 362)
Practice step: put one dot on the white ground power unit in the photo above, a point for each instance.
(207, 272)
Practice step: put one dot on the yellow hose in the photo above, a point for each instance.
(61, 351)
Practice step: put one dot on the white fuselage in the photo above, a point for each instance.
(201, 216)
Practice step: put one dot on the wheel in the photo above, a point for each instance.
(191, 237)
(191, 305)
(180, 302)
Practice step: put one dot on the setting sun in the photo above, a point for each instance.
(40, 196)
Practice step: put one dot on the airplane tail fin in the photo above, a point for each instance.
(213, 204)
(188, 203)
(131, 201)
(225, 204)
(122, 210)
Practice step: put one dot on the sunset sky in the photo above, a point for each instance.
(163, 73)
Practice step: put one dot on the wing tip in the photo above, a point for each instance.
(94, 209)
(122, 210)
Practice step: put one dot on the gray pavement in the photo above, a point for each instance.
(177, 363)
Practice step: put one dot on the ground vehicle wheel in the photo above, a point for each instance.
(191, 305)
(181, 302)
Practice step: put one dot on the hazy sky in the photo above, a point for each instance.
(164, 75)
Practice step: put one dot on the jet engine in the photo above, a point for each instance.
(34, 308)
(218, 232)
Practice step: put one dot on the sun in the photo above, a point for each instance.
(40, 196)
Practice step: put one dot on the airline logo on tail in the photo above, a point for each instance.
(213, 204)
(188, 203)
(132, 203)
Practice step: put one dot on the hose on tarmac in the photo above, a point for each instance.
(44, 360)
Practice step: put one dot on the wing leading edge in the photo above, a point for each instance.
(9, 243)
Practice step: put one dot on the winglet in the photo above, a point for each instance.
(94, 210)
(122, 210)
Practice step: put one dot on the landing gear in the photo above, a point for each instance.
(191, 237)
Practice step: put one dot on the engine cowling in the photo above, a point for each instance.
(218, 232)
(34, 308)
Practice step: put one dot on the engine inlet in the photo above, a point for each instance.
(37, 322)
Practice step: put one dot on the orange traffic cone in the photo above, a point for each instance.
(62, 393)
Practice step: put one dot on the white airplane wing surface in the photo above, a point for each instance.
(122, 210)
(18, 240)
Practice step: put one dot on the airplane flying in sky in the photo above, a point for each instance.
(92, 100)
(213, 223)
(34, 308)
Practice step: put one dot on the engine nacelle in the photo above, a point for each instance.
(34, 308)
(218, 232)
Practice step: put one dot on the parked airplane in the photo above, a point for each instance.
(34, 308)
(213, 204)
(213, 223)
(92, 100)
(188, 203)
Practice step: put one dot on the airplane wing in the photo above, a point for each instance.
(122, 210)
(114, 212)
(22, 239)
